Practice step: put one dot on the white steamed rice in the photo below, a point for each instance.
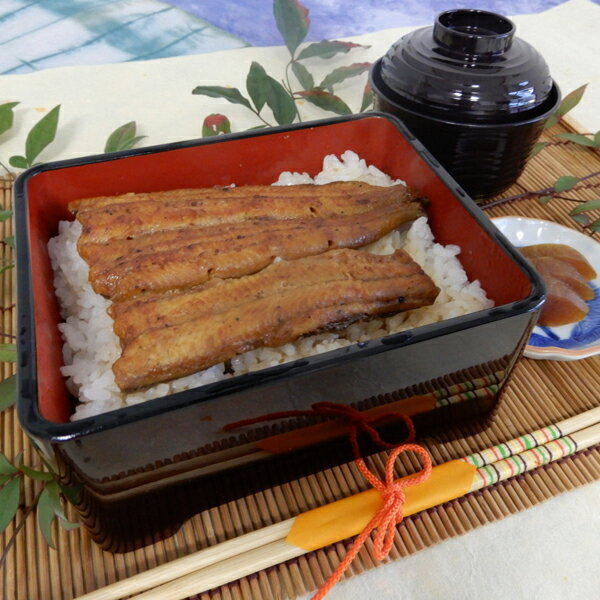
(91, 347)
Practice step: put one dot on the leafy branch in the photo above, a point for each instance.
(41, 134)
(569, 102)
(566, 183)
(123, 138)
(283, 97)
(47, 503)
(563, 184)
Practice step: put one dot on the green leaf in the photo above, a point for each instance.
(586, 206)
(68, 525)
(6, 116)
(6, 468)
(537, 148)
(551, 121)
(10, 496)
(34, 474)
(41, 134)
(597, 139)
(8, 353)
(9, 240)
(571, 100)
(54, 490)
(544, 199)
(280, 102)
(327, 49)
(6, 268)
(577, 139)
(292, 20)
(565, 183)
(5, 215)
(232, 95)
(123, 138)
(303, 75)
(8, 392)
(45, 516)
(215, 124)
(368, 97)
(72, 492)
(341, 73)
(595, 226)
(583, 219)
(54, 499)
(257, 85)
(18, 161)
(326, 101)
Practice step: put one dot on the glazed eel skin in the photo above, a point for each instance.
(141, 214)
(153, 243)
(277, 305)
(230, 251)
(197, 276)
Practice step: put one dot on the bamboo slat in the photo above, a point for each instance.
(540, 392)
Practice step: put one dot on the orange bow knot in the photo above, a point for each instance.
(390, 512)
(394, 497)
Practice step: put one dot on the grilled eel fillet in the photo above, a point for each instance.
(133, 216)
(275, 306)
(233, 250)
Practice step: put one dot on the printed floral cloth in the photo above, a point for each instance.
(38, 34)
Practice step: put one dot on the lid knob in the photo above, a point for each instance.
(471, 31)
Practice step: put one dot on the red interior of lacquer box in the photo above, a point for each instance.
(248, 160)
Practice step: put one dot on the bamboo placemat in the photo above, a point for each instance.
(540, 393)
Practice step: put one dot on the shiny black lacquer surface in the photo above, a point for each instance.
(475, 94)
(143, 469)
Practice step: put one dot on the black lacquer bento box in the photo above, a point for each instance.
(142, 470)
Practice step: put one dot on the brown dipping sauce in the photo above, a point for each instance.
(566, 273)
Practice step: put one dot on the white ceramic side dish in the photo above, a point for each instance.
(568, 342)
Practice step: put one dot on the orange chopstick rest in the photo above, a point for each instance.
(321, 432)
(348, 517)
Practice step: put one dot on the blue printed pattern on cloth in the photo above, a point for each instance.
(39, 34)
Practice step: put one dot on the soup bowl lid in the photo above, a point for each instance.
(468, 64)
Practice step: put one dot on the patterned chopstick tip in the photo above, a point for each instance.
(512, 447)
(512, 466)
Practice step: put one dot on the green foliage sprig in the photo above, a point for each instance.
(281, 97)
(556, 190)
(48, 500)
(41, 134)
(123, 138)
(569, 102)
(47, 503)
(566, 183)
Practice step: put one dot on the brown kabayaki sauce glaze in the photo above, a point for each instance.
(566, 273)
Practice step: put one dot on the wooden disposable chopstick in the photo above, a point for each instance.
(253, 552)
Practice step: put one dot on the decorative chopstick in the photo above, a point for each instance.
(535, 438)
(239, 557)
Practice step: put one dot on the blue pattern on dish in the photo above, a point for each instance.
(582, 334)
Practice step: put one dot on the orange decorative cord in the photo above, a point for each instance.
(355, 418)
(392, 492)
(387, 517)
